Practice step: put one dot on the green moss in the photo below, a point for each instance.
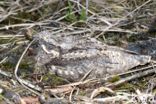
(114, 79)
(4, 41)
(24, 66)
(1, 97)
(127, 86)
(82, 93)
(52, 79)
(132, 39)
(131, 86)
(8, 65)
(24, 70)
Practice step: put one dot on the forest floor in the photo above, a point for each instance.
(129, 24)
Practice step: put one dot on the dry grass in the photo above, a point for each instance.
(21, 19)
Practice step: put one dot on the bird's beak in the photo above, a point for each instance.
(53, 52)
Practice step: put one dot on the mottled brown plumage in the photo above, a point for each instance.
(72, 56)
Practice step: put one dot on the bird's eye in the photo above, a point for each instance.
(45, 38)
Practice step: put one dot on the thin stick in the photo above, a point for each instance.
(23, 25)
(17, 66)
(135, 76)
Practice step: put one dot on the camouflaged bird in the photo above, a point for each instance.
(72, 56)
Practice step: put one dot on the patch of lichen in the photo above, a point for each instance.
(52, 79)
